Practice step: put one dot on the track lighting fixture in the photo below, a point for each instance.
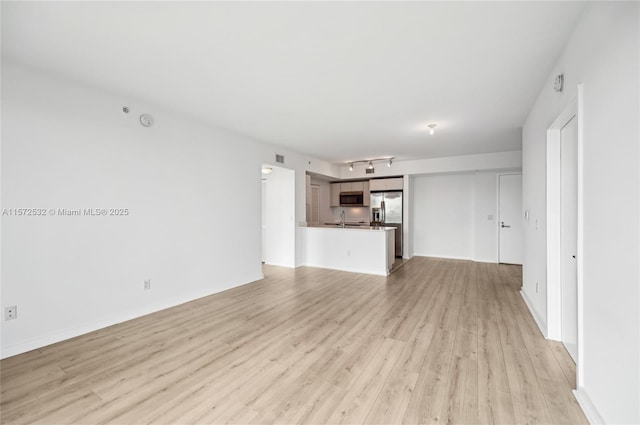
(369, 162)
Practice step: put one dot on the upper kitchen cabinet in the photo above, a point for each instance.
(366, 194)
(308, 197)
(351, 187)
(361, 186)
(395, 183)
(335, 189)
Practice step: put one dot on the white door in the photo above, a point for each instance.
(569, 235)
(510, 248)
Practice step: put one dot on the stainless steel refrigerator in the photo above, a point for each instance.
(390, 204)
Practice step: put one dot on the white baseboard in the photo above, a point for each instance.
(290, 266)
(348, 269)
(484, 260)
(589, 409)
(444, 257)
(542, 324)
(103, 322)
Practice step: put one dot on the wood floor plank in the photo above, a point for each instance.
(356, 405)
(430, 390)
(565, 362)
(438, 341)
(494, 395)
(526, 394)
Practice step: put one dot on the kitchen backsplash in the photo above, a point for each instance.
(352, 213)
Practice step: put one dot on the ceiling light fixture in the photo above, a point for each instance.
(266, 170)
(432, 128)
(370, 162)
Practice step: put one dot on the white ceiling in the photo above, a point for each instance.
(339, 81)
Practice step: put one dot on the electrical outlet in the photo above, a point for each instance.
(147, 284)
(490, 217)
(537, 287)
(11, 312)
(348, 253)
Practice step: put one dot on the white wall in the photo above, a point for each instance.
(443, 216)
(193, 192)
(450, 216)
(279, 217)
(602, 54)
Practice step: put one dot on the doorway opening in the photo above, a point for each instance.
(278, 216)
(564, 231)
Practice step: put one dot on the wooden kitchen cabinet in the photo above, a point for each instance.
(308, 197)
(377, 184)
(345, 187)
(335, 189)
(396, 183)
(361, 186)
(366, 194)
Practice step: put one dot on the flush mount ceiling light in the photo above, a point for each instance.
(370, 162)
(432, 128)
(146, 120)
(266, 170)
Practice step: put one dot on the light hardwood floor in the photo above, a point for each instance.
(438, 341)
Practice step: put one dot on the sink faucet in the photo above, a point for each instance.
(342, 218)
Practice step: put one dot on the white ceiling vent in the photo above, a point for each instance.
(280, 158)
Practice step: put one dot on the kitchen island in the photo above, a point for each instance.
(363, 249)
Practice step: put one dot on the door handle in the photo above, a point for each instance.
(503, 225)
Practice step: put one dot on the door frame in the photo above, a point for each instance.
(553, 227)
(498, 211)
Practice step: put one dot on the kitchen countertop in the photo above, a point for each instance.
(348, 223)
(359, 227)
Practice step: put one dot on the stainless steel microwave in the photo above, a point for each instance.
(351, 199)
